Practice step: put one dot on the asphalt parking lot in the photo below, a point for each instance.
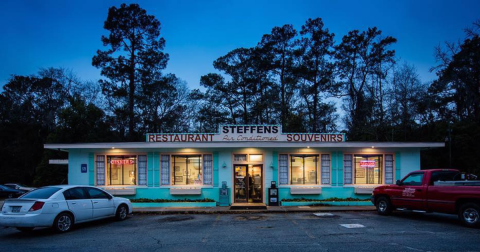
(339, 231)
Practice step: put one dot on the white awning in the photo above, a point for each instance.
(276, 145)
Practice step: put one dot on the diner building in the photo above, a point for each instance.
(245, 159)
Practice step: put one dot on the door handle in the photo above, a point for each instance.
(74, 203)
(95, 202)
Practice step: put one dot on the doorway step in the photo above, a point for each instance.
(247, 206)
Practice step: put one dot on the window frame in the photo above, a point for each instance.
(248, 160)
(318, 168)
(106, 168)
(170, 155)
(383, 154)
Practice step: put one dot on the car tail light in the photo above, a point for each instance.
(37, 206)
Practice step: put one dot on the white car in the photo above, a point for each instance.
(61, 207)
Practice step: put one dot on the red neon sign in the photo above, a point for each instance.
(367, 163)
(122, 161)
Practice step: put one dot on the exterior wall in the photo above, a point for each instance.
(405, 161)
(75, 175)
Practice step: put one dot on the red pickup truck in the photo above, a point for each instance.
(436, 190)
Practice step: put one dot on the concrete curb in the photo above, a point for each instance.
(270, 210)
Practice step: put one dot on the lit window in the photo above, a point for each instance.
(256, 158)
(303, 169)
(368, 169)
(122, 170)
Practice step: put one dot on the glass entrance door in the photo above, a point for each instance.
(248, 184)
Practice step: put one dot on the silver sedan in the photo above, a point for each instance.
(61, 207)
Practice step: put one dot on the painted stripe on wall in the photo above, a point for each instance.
(156, 170)
(150, 169)
(339, 160)
(91, 169)
(333, 163)
(275, 166)
(215, 169)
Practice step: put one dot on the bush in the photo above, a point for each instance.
(324, 200)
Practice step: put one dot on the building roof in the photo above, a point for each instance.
(247, 144)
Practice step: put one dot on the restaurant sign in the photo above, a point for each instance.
(246, 133)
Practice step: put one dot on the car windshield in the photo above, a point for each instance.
(41, 193)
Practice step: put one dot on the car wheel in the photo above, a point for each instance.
(63, 223)
(469, 214)
(122, 212)
(384, 207)
(25, 229)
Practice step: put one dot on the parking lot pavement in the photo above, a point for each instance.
(305, 231)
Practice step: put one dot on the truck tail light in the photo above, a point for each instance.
(37, 206)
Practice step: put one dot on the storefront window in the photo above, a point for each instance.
(303, 169)
(187, 170)
(368, 169)
(122, 170)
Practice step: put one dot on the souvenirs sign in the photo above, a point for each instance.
(246, 133)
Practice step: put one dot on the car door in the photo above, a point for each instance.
(103, 205)
(411, 192)
(79, 203)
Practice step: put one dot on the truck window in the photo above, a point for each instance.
(413, 179)
(444, 176)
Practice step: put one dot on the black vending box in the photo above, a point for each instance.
(273, 194)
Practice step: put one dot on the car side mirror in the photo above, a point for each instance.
(399, 183)
(110, 197)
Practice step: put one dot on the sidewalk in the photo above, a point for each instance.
(226, 210)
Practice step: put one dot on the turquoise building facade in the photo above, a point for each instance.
(196, 166)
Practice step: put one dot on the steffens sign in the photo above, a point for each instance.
(246, 133)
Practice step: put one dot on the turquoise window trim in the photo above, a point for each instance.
(150, 161)
(339, 159)
(398, 166)
(334, 171)
(215, 169)
(275, 166)
(91, 168)
(156, 170)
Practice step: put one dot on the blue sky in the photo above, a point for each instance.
(54, 33)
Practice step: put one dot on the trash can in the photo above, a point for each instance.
(224, 200)
(273, 194)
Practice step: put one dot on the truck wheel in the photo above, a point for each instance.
(384, 207)
(469, 214)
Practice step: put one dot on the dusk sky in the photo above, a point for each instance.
(48, 33)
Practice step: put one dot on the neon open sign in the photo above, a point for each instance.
(367, 163)
(122, 161)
